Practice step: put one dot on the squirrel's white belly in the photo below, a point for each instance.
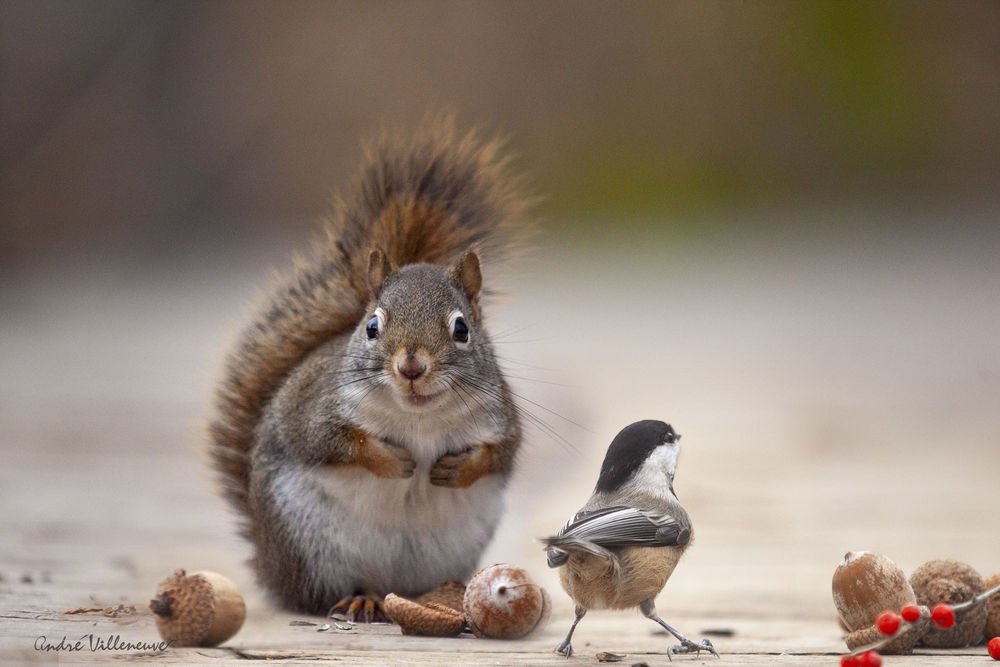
(412, 504)
(391, 535)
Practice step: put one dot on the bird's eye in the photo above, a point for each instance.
(459, 328)
(375, 325)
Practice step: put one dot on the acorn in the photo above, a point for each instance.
(502, 602)
(864, 585)
(951, 582)
(992, 609)
(199, 609)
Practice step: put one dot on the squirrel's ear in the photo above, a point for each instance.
(379, 268)
(468, 275)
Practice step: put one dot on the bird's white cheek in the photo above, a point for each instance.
(657, 471)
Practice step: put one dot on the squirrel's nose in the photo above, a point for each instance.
(411, 368)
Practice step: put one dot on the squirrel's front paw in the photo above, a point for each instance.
(384, 459)
(462, 469)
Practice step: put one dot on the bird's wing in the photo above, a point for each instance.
(621, 526)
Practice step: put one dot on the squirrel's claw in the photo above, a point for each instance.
(387, 460)
(444, 472)
(459, 470)
(406, 463)
(360, 609)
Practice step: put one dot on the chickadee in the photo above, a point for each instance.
(618, 551)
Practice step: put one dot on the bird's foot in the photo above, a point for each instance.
(361, 609)
(688, 646)
(564, 648)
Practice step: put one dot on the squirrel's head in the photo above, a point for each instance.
(423, 331)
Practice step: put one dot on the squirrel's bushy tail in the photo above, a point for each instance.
(425, 199)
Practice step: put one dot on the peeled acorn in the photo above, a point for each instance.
(865, 584)
(502, 602)
(992, 609)
(199, 609)
(951, 582)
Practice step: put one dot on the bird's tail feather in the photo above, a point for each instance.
(559, 547)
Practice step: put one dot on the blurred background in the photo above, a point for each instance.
(772, 223)
(152, 128)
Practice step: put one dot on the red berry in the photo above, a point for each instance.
(910, 613)
(870, 659)
(887, 623)
(850, 661)
(943, 615)
(994, 648)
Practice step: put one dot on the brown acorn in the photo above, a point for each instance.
(200, 609)
(502, 602)
(992, 609)
(864, 585)
(951, 582)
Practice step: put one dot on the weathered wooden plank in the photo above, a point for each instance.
(104, 488)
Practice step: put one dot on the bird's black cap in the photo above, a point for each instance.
(630, 448)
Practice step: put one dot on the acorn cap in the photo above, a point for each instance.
(864, 585)
(951, 582)
(415, 618)
(201, 609)
(902, 643)
(449, 594)
(992, 608)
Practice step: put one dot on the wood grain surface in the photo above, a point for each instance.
(834, 395)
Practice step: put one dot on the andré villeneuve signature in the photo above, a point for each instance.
(94, 643)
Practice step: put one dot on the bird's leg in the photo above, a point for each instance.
(686, 645)
(564, 647)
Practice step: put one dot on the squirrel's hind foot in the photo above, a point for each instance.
(362, 608)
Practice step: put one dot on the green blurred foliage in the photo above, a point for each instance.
(138, 126)
(837, 72)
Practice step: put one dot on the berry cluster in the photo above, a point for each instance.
(866, 659)
(888, 623)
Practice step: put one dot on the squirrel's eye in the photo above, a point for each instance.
(459, 329)
(375, 324)
(461, 332)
